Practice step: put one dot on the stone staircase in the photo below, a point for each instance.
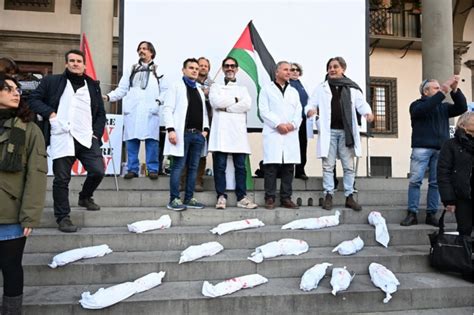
(57, 291)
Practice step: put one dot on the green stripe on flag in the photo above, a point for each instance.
(248, 171)
(247, 64)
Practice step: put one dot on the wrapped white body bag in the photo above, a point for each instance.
(236, 226)
(313, 223)
(312, 276)
(349, 247)
(381, 232)
(79, 253)
(232, 285)
(340, 279)
(112, 295)
(198, 251)
(164, 222)
(286, 246)
(383, 279)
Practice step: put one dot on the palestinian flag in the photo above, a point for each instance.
(257, 68)
(90, 70)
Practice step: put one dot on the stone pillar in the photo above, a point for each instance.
(437, 39)
(97, 17)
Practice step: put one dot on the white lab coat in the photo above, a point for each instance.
(229, 120)
(276, 108)
(321, 99)
(141, 117)
(174, 114)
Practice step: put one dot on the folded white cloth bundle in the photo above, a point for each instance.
(164, 222)
(237, 225)
(340, 279)
(286, 246)
(198, 251)
(232, 285)
(312, 276)
(349, 247)
(383, 279)
(112, 295)
(381, 231)
(79, 253)
(313, 223)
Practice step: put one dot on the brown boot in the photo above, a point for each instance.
(269, 203)
(351, 203)
(327, 204)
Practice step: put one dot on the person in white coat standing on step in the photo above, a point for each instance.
(142, 90)
(280, 108)
(230, 103)
(337, 100)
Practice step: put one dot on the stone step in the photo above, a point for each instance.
(121, 266)
(440, 311)
(121, 216)
(47, 240)
(278, 296)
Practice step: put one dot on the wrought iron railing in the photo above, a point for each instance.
(393, 22)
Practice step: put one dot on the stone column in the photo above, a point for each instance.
(97, 23)
(437, 39)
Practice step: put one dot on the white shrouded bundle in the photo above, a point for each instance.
(283, 247)
(340, 279)
(237, 225)
(198, 251)
(349, 247)
(112, 295)
(79, 253)
(384, 279)
(164, 222)
(312, 276)
(313, 223)
(232, 285)
(381, 231)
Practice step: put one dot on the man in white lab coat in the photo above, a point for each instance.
(230, 103)
(143, 91)
(280, 109)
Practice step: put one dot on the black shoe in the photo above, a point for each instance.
(302, 176)
(130, 175)
(431, 219)
(410, 219)
(352, 204)
(66, 226)
(327, 204)
(89, 204)
(153, 175)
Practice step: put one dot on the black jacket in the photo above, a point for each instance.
(455, 168)
(45, 100)
(430, 119)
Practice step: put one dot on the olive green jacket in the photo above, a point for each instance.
(22, 193)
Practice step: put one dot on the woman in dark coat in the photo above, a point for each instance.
(455, 173)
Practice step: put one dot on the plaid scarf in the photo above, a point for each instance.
(12, 159)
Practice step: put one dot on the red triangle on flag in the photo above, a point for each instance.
(90, 70)
(245, 41)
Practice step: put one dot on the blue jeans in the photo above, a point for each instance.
(220, 164)
(420, 159)
(337, 148)
(193, 145)
(151, 152)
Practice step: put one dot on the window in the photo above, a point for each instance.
(381, 166)
(383, 100)
(30, 5)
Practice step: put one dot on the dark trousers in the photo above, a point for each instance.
(92, 161)
(220, 165)
(161, 149)
(270, 178)
(464, 208)
(11, 254)
(299, 168)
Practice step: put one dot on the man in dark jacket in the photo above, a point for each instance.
(73, 111)
(430, 129)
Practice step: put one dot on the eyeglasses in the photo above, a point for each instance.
(295, 69)
(10, 89)
(232, 66)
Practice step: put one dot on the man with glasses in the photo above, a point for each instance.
(187, 126)
(296, 71)
(231, 103)
(72, 107)
(430, 129)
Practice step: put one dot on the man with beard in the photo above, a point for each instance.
(231, 103)
(143, 91)
(72, 106)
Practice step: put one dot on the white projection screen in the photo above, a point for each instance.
(305, 31)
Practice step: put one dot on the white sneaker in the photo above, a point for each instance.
(221, 203)
(246, 203)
